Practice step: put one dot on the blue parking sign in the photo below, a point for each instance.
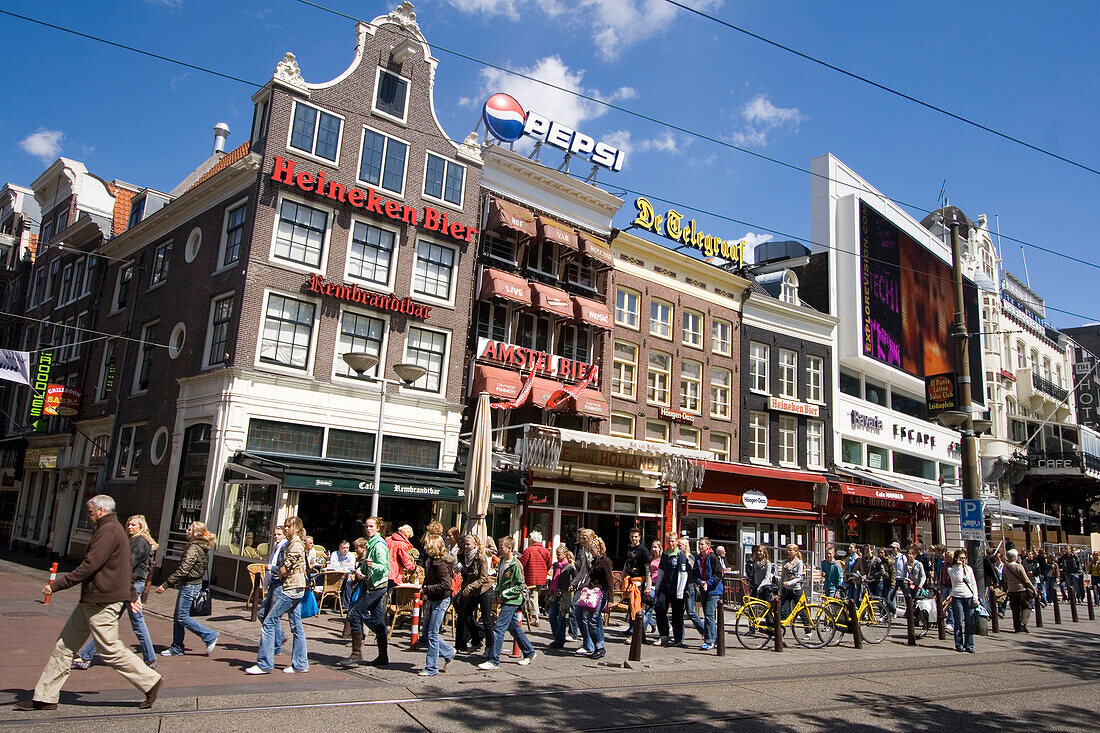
(971, 519)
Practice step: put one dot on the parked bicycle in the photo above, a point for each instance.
(810, 623)
(872, 615)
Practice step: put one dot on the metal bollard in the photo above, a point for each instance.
(1057, 609)
(994, 616)
(415, 632)
(636, 638)
(1073, 603)
(853, 624)
(910, 624)
(53, 577)
(941, 621)
(1038, 612)
(721, 620)
(1088, 599)
(777, 625)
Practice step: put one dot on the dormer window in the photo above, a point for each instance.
(391, 95)
(137, 211)
(788, 291)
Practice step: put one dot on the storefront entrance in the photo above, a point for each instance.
(331, 518)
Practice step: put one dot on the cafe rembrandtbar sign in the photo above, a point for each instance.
(671, 225)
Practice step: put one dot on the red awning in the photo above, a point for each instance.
(497, 382)
(500, 284)
(590, 402)
(589, 311)
(763, 472)
(555, 231)
(597, 251)
(511, 216)
(541, 389)
(552, 300)
(884, 494)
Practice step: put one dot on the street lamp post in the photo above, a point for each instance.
(362, 362)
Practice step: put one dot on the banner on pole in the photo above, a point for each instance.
(15, 366)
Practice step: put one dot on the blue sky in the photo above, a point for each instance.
(1027, 69)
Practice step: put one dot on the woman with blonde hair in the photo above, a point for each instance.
(590, 620)
(439, 571)
(142, 549)
(558, 609)
(287, 589)
(793, 573)
(188, 578)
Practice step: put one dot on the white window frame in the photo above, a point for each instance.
(665, 430)
(788, 440)
(758, 367)
(696, 340)
(338, 359)
(788, 374)
(208, 345)
(310, 153)
(815, 444)
(723, 454)
(446, 361)
(223, 240)
(154, 282)
(374, 97)
(447, 162)
(716, 388)
(618, 368)
(687, 430)
(686, 382)
(721, 346)
(653, 375)
(449, 301)
(815, 379)
(623, 416)
(628, 315)
(404, 170)
(268, 366)
(325, 244)
(758, 436)
(659, 328)
(388, 286)
(128, 474)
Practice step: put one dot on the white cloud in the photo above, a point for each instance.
(615, 24)
(43, 144)
(760, 118)
(751, 240)
(562, 106)
(664, 142)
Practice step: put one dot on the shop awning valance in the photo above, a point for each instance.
(554, 231)
(590, 402)
(511, 216)
(502, 383)
(551, 300)
(500, 284)
(597, 251)
(885, 494)
(592, 313)
(542, 389)
(1006, 511)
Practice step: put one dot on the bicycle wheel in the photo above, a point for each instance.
(875, 624)
(753, 624)
(813, 628)
(838, 619)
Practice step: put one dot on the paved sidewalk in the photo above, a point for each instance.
(31, 628)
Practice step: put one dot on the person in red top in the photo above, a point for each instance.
(401, 560)
(536, 563)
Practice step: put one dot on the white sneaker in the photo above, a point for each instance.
(527, 660)
(211, 645)
(291, 670)
(581, 650)
(426, 673)
(488, 666)
(255, 669)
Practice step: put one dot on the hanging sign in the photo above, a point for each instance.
(62, 400)
(941, 393)
(971, 519)
(40, 382)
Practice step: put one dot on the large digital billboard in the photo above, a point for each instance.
(908, 304)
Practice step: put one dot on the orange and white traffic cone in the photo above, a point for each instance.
(53, 577)
(415, 622)
(515, 642)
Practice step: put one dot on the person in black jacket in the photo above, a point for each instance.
(670, 589)
(600, 577)
(635, 570)
(188, 578)
(476, 595)
(439, 570)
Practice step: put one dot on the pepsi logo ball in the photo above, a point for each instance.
(504, 117)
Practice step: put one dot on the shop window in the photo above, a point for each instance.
(851, 452)
(391, 95)
(444, 179)
(622, 425)
(648, 505)
(433, 275)
(626, 307)
(289, 439)
(570, 499)
(315, 131)
(300, 236)
(691, 385)
(540, 497)
(849, 384)
(721, 381)
(658, 376)
(914, 466)
(382, 161)
(720, 336)
(758, 367)
(247, 518)
(758, 436)
(878, 458)
(692, 329)
(624, 370)
(788, 369)
(190, 486)
(720, 446)
(874, 392)
(599, 502)
(371, 253)
(788, 440)
(625, 505)
(287, 332)
(815, 379)
(656, 431)
(660, 319)
(815, 444)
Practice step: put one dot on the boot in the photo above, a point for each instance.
(346, 630)
(356, 656)
(383, 651)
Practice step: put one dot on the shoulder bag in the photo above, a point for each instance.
(589, 599)
(202, 605)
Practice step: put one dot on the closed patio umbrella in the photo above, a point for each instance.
(479, 469)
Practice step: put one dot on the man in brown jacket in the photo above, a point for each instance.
(105, 584)
(1020, 591)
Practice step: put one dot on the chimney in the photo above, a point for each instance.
(221, 132)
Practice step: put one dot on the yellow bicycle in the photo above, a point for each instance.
(873, 616)
(810, 623)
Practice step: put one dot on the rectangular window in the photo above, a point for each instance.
(758, 435)
(77, 349)
(815, 379)
(720, 336)
(160, 264)
(444, 179)
(221, 311)
(382, 161)
(533, 332)
(137, 211)
(622, 425)
(51, 281)
(289, 439)
(660, 319)
(37, 290)
(67, 285)
(658, 378)
(301, 233)
(433, 275)
(371, 253)
(688, 437)
(691, 385)
(758, 367)
(720, 446)
(788, 370)
(131, 448)
(315, 132)
(580, 272)
(492, 321)
(851, 452)
(624, 371)
(499, 248)
(626, 308)
(80, 280)
(815, 444)
(108, 371)
(878, 458)
(575, 343)
(542, 258)
(288, 332)
(359, 334)
(693, 329)
(788, 439)
(874, 392)
(349, 445)
(62, 221)
(145, 356)
(391, 96)
(234, 235)
(849, 384)
(721, 382)
(429, 350)
(656, 431)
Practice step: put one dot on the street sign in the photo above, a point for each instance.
(971, 519)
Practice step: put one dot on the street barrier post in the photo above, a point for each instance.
(777, 625)
(1088, 599)
(910, 624)
(1057, 609)
(516, 653)
(994, 614)
(636, 638)
(721, 618)
(53, 577)
(941, 622)
(415, 622)
(1038, 613)
(1073, 603)
(853, 624)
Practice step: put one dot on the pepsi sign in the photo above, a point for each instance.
(506, 120)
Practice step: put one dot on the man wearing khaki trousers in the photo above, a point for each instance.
(105, 585)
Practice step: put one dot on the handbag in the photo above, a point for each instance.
(201, 605)
(456, 584)
(309, 604)
(589, 599)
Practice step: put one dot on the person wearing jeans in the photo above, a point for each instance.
(692, 590)
(558, 611)
(188, 578)
(370, 609)
(709, 572)
(439, 571)
(964, 601)
(287, 591)
(601, 578)
(509, 589)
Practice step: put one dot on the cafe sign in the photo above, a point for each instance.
(543, 364)
(671, 225)
(620, 460)
(354, 294)
(676, 415)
